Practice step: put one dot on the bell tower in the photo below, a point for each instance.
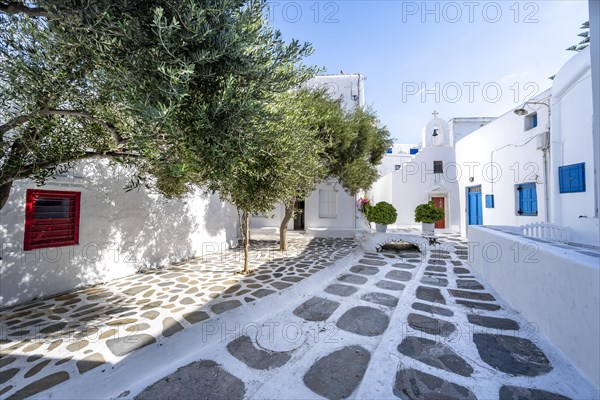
(436, 132)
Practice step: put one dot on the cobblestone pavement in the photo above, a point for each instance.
(58, 339)
(390, 325)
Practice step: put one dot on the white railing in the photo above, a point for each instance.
(544, 230)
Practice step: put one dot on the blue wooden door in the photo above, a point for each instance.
(474, 206)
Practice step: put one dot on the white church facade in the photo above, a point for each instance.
(412, 175)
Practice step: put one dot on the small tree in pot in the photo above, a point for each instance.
(383, 214)
(428, 214)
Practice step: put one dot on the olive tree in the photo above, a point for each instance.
(349, 146)
(165, 86)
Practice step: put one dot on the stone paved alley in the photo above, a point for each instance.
(329, 321)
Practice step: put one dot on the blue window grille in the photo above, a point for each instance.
(527, 199)
(489, 201)
(571, 178)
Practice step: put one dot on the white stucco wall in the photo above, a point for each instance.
(349, 87)
(342, 225)
(555, 288)
(461, 127)
(345, 215)
(515, 160)
(594, 7)
(416, 183)
(571, 143)
(120, 232)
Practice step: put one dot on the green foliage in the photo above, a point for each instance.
(428, 213)
(382, 213)
(356, 144)
(172, 88)
(286, 161)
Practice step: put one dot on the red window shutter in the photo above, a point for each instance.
(51, 219)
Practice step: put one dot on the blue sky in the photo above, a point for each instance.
(473, 58)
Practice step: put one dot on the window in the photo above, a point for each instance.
(489, 201)
(572, 178)
(397, 167)
(527, 195)
(327, 203)
(438, 167)
(51, 219)
(531, 121)
(389, 151)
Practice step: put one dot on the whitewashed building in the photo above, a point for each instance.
(504, 169)
(107, 232)
(415, 174)
(549, 178)
(537, 163)
(573, 190)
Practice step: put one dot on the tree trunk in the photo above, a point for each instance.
(283, 228)
(4, 193)
(246, 239)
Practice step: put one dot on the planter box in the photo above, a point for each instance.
(381, 228)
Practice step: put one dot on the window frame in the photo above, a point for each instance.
(531, 121)
(31, 196)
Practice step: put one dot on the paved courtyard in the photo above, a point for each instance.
(48, 342)
(331, 322)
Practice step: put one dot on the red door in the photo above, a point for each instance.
(440, 203)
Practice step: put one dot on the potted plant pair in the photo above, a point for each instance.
(428, 214)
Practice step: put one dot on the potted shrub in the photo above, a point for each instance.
(428, 214)
(383, 214)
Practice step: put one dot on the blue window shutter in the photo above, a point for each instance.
(527, 199)
(563, 179)
(489, 201)
(534, 120)
(572, 178)
(533, 198)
